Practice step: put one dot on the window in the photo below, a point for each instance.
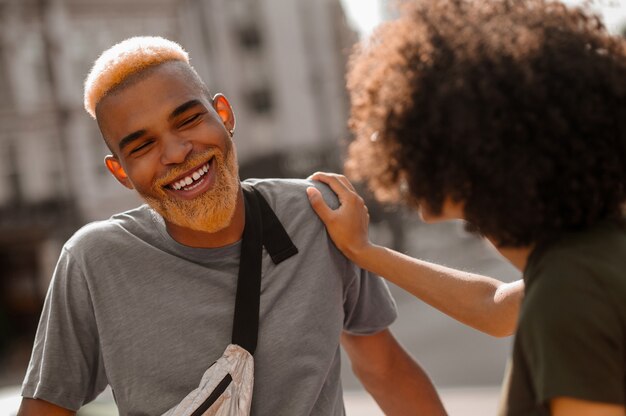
(5, 96)
(249, 37)
(260, 100)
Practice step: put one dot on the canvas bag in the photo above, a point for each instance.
(226, 387)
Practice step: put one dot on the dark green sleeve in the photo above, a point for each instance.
(573, 336)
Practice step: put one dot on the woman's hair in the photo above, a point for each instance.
(514, 108)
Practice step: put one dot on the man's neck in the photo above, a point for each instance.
(200, 239)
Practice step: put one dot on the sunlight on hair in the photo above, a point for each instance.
(124, 59)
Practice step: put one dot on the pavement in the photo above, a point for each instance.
(468, 401)
(460, 401)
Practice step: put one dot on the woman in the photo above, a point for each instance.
(510, 115)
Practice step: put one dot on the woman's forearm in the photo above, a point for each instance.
(484, 303)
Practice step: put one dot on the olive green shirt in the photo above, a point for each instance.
(571, 337)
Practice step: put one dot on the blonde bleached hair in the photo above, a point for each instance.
(124, 59)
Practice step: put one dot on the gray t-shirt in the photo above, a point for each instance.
(130, 307)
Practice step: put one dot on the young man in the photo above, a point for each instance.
(144, 301)
(510, 115)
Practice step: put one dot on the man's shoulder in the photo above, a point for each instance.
(289, 201)
(98, 233)
(291, 192)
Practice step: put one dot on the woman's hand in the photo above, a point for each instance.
(348, 224)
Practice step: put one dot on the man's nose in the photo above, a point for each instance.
(175, 149)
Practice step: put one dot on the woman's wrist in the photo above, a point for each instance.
(360, 254)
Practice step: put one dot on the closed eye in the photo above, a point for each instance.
(190, 120)
(141, 146)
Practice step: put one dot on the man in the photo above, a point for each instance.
(510, 115)
(144, 301)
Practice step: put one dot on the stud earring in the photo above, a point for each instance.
(231, 132)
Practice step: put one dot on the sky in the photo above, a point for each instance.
(613, 12)
(364, 15)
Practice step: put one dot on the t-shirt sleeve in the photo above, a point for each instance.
(573, 339)
(66, 366)
(368, 304)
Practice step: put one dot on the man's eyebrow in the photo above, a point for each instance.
(131, 138)
(177, 111)
(184, 107)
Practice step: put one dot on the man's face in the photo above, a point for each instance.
(171, 144)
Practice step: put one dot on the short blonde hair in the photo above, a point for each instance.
(126, 58)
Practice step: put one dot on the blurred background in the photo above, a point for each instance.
(282, 64)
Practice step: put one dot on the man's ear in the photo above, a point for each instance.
(117, 170)
(224, 111)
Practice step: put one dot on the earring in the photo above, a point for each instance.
(231, 132)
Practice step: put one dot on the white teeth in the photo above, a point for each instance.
(188, 180)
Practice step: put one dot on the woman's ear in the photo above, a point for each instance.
(117, 170)
(225, 112)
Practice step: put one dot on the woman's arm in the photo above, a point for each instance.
(568, 406)
(481, 302)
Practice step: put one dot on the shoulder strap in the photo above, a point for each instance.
(275, 238)
(262, 228)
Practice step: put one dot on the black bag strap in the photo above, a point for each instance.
(262, 228)
(275, 239)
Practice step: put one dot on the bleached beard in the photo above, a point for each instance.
(213, 210)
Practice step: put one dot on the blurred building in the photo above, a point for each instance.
(281, 63)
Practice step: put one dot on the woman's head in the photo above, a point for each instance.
(515, 109)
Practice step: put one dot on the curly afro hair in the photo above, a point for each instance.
(514, 108)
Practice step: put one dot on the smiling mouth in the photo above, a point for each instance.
(192, 180)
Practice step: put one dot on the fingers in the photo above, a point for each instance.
(343, 188)
(318, 204)
(346, 182)
(326, 176)
(338, 183)
(337, 186)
